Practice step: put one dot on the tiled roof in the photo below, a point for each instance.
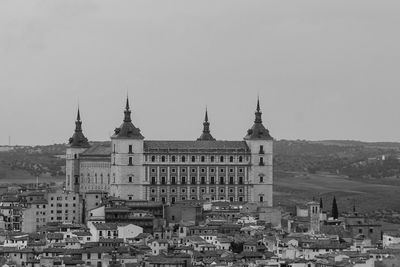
(165, 260)
(99, 250)
(82, 233)
(195, 145)
(99, 149)
(55, 236)
(111, 240)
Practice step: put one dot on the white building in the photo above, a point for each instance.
(132, 168)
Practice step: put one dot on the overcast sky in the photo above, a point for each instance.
(323, 69)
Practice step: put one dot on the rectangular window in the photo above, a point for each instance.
(212, 180)
(183, 180)
(173, 180)
(261, 161)
(130, 149)
(261, 199)
(130, 161)
(203, 180)
(261, 150)
(130, 179)
(261, 179)
(240, 180)
(163, 180)
(193, 180)
(153, 180)
(231, 180)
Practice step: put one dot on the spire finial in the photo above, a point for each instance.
(258, 112)
(206, 129)
(78, 139)
(127, 112)
(78, 115)
(127, 102)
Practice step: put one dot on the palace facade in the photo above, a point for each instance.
(132, 168)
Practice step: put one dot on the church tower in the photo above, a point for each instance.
(260, 143)
(127, 171)
(77, 144)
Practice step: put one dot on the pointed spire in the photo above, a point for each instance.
(206, 130)
(78, 116)
(127, 103)
(78, 123)
(258, 112)
(258, 131)
(78, 139)
(127, 111)
(127, 129)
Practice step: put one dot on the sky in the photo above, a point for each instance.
(322, 69)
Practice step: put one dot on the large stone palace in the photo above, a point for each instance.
(132, 168)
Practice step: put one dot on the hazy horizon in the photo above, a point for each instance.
(323, 70)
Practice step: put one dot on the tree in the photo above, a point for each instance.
(335, 212)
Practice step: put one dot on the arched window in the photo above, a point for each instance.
(95, 178)
(108, 178)
(173, 159)
(240, 159)
(88, 178)
(203, 159)
(193, 158)
(163, 158)
(212, 158)
(221, 159)
(153, 158)
(231, 159)
(183, 159)
(101, 178)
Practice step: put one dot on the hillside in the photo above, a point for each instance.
(350, 170)
(351, 158)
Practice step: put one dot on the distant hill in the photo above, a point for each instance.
(352, 158)
(345, 157)
(383, 145)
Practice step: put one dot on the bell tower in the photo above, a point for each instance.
(76, 145)
(260, 143)
(127, 171)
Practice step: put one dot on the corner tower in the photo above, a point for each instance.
(260, 143)
(76, 145)
(127, 171)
